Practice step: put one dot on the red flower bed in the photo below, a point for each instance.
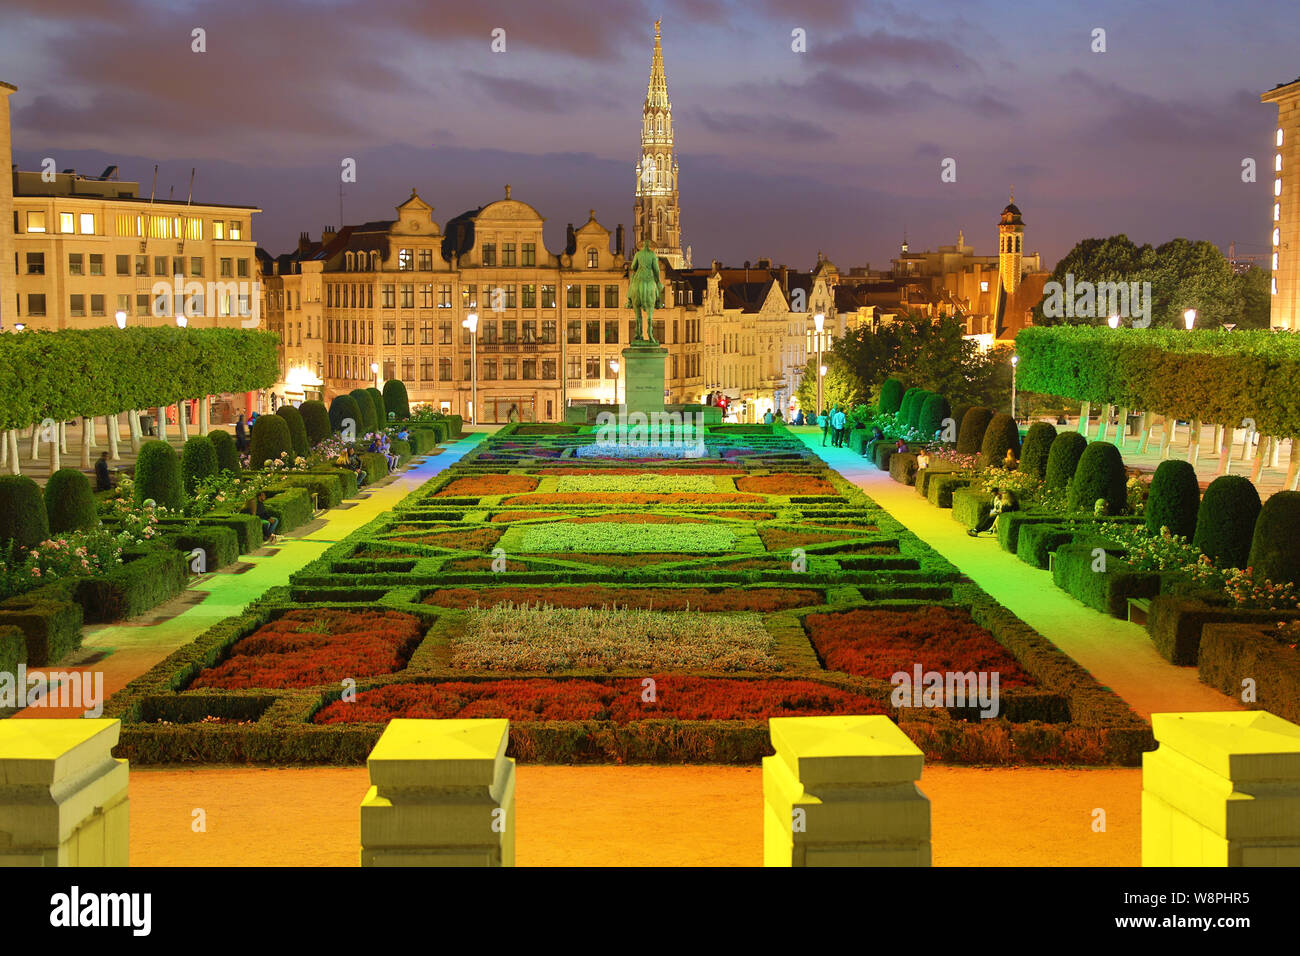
(682, 698)
(631, 498)
(317, 646)
(488, 485)
(644, 518)
(711, 467)
(744, 515)
(660, 599)
(475, 539)
(785, 484)
(503, 516)
(879, 643)
(484, 564)
(783, 539)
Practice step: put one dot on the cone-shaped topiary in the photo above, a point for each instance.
(1100, 474)
(316, 420)
(69, 502)
(297, 430)
(23, 518)
(905, 405)
(1063, 458)
(970, 433)
(933, 413)
(227, 453)
(344, 409)
(912, 415)
(1174, 499)
(270, 440)
(198, 461)
(1033, 453)
(891, 396)
(369, 419)
(1001, 436)
(158, 476)
(1275, 547)
(396, 400)
(381, 408)
(1225, 522)
(958, 413)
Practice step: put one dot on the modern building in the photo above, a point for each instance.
(1284, 225)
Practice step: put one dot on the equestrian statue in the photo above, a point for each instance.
(645, 291)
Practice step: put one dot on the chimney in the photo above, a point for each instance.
(304, 242)
(785, 280)
(764, 264)
(570, 240)
(717, 265)
(618, 240)
(327, 234)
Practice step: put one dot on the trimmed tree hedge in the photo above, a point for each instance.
(1037, 446)
(1225, 522)
(1001, 436)
(1100, 474)
(316, 420)
(369, 420)
(297, 430)
(1174, 499)
(396, 400)
(1063, 458)
(1275, 547)
(381, 408)
(270, 439)
(933, 411)
(344, 408)
(891, 396)
(23, 518)
(158, 476)
(198, 461)
(69, 502)
(227, 453)
(970, 431)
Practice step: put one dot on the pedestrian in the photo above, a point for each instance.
(798, 418)
(103, 480)
(1003, 501)
(241, 434)
(838, 421)
(824, 423)
(767, 417)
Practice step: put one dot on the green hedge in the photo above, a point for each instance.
(882, 452)
(269, 441)
(13, 649)
(220, 545)
(316, 420)
(891, 396)
(1001, 435)
(381, 409)
(1275, 547)
(297, 430)
(346, 477)
(375, 465)
(292, 506)
(1063, 459)
(1230, 653)
(940, 489)
(366, 406)
(902, 467)
(344, 408)
(1225, 521)
(49, 620)
(69, 502)
(423, 440)
(1036, 541)
(23, 518)
(1100, 474)
(937, 468)
(246, 527)
(1173, 500)
(1037, 446)
(1107, 591)
(970, 432)
(198, 461)
(326, 488)
(145, 579)
(1176, 623)
(158, 476)
(227, 453)
(969, 505)
(933, 412)
(395, 399)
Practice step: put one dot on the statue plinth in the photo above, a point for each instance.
(643, 383)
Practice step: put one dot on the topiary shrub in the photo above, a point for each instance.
(1063, 458)
(198, 461)
(1275, 547)
(269, 440)
(1173, 499)
(891, 396)
(1001, 436)
(69, 502)
(1100, 474)
(395, 399)
(970, 431)
(297, 430)
(23, 518)
(381, 408)
(316, 420)
(344, 409)
(365, 405)
(227, 454)
(1034, 451)
(905, 405)
(933, 411)
(158, 476)
(1225, 521)
(957, 414)
(912, 414)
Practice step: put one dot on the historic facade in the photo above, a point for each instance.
(657, 216)
(1284, 225)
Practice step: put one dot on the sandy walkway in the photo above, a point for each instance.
(628, 816)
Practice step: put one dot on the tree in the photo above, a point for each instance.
(840, 386)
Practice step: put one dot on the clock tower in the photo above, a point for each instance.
(656, 211)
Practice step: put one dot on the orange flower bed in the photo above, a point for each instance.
(488, 485)
(714, 468)
(622, 518)
(504, 516)
(476, 539)
(761, 600)
(632, 498)
(785, 484)
(744, 515)
(783, 539)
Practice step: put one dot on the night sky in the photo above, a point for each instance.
(781, 154)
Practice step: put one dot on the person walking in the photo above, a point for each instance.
(824, 423)
(103, 480)
(241, 434)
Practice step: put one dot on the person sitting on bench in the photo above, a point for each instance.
(1003, 501)
(269, 521)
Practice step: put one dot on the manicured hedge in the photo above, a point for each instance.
(882, 452)
(366, 405)
(297, 430)
(198, 461)
(1100, 474)
(246, 527)
(902, 467)
(940, 489)
(375, 466)
(292, 506)
(1107, 591)
(158, 476)
(220, 545)
(1231, 653)
(316, 420)
(1176, 623)
(227, 453)
(1063, 458)
(1275, 547)
(145, 579)
(1037, 446)
(1001, 436)
(50, 621)
(1225, 521)
(69, 502)
(346, 477)
(270, 441)
(969, 505)
(891, 396)
(327, 489)
(1174, 499)
(13, 649)
(23, 518)
(395, 399)
(970, 433)
(344, 408)
(933, 412)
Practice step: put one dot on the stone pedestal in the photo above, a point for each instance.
(63, 797)
(841, 791)
(1222, 789)
(442, 794)
(643, 378)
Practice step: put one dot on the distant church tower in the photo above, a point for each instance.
(656, 212)
(1011, 235)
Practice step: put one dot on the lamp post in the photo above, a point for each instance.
(471, 323)
(613, 367)
(1113, 321)
(374, 370)
(182, 321)
(1189, 319)
(819, 321)
(1015, 360)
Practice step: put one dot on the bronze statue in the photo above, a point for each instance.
(645, 291)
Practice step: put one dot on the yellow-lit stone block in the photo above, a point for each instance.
(841, 791)
(1222, 789)
(442, 794)
(63, 796)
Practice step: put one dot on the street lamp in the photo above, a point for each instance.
(819, 320)
(1015, 360)
(18, 326)
(182, 321)
(374, 370)
(471, 322)
(1189, 318)
(613, 367)
(1113, 321)
(120, 317)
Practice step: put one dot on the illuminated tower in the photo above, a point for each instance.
(1284, 220)
(1011, 236)
(656, 211)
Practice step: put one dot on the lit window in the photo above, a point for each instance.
(984, 287)
(65, 222)
(1277, 187)
(1279, 137)
(218, 229)
(1277, 163)
(1275, 285)
(593, 259)
(1277, 212)
(35, 221)
(1275, 261)
(87, 223)
(1277, 237)
(236, 230)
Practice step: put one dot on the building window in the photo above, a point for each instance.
(142, 303)
(984, 287)
(35, 221)
(528, 254)
(489, 373)
(76, 264)
(77, 305)
(227, 266)
(593, 331)
(529, 297)
(236, 230)
(426, 331)
(548, 369)
(507, 253)
(444, 296)
(530, 332)
(96, 305)
(529, 369)
(489, 332)
(489, 253)
(123, 265)
(66, 222)
(593, 259)
(444, 332)
(548, 297)
(408, 296)
(574, 333)
(388, 298)
(593, 297)
(96, 264)
(575, 366)
(36, 304)
(611, 332)
(593, 366)
(408, 332)
(87, 223)
(405, 260)
(426, 295)
(573, 296)
(509, 369)
(444, 370)
(510, 300)
(464, 370)
(548, 331)
(509, 332)
(36, 263)
(611, 297)
(469, 297)
(426, 260)
(218, 229)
